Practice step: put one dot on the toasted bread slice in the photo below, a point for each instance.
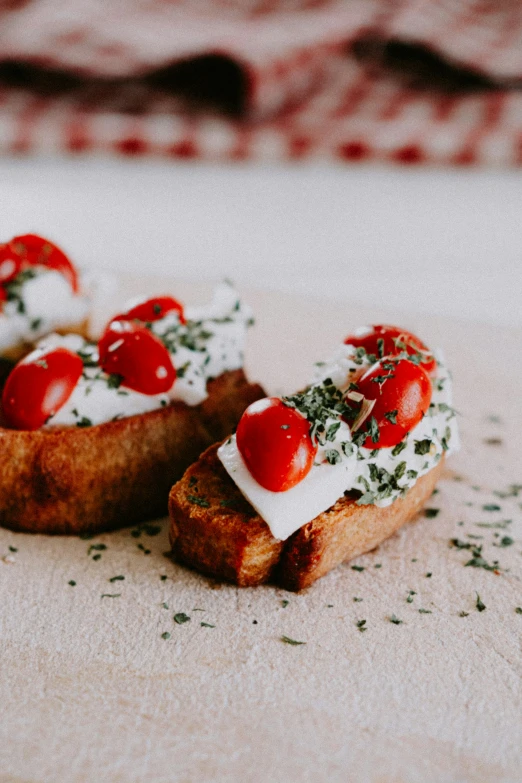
(215, 530)
(85, 480)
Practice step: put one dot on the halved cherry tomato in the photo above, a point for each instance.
(34, 250)
(274, 441)
(394, 340)
(132, 351)
(402, 393)
(10, 263)
(153, 309)
(39, 386)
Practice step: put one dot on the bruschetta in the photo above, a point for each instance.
(93, 434)
(316, 478)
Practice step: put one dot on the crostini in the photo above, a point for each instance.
(316, 478)
(93, 435)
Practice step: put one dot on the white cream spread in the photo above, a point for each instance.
(210, 343)
(381, 475)
(40, 301)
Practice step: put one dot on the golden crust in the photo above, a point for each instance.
(84, 480)
(216, 531)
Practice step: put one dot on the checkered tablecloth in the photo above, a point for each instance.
(409, 81)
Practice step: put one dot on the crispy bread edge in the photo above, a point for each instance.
(84, 480)
(215, 530)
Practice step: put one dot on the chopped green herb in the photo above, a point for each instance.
(395, 620)
(378, 565)
(165, 635)
(357, 568)
(429, 575)
(361, 625)
(518, 609)
(332, 456)
(110, 595)
(411, 593)
(479, 604)
(207, 625)
(463, 614)
(198, 501)
(165, 605)
(357, 600)
(84, 422)
(425, 611)
(96, 548)
(398, 448)
(72, 583)
(116, 578)
(284, 603)
(288, 640)
(181, 618)
(114, 380)
(422, 446)
(491, 507)
(13, 549)
(391, 416)
(163, 577)
(431, 512)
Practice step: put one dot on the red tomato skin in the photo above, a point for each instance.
(153, 309)
(274, 441)
(129, 349)
(34, 250)
(408, 392)
(367, 337)
(10, 264)
(39, 386)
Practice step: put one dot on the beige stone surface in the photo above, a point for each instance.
(90, 691)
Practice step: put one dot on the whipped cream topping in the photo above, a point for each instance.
(208, 344)
(380, 475)
(40, 301)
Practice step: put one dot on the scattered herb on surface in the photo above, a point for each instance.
(288, 640)
(425, 611)
(395, 620)
(207, 625)
(361, 625)
(357, 568)
(165, 635)
(491, 507)
(518, 609)
(180, 618)
(163, 577)
(463, 614)
(284, 603)
(72, 583)
(431, 512)
(110, 595)
(479, 604)
(409, 599)
(116, 578)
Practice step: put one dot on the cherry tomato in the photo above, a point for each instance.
(39, 386)
(35, 250)
(402, 393)
(10, 263)
(394, 340)
(129, 349)
(153, 309)
(274, 441)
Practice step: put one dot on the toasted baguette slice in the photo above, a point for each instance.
(85, 480)
(215, 530)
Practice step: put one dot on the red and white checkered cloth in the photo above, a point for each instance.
(305, 78)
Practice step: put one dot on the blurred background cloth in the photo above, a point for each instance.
(410, 81)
